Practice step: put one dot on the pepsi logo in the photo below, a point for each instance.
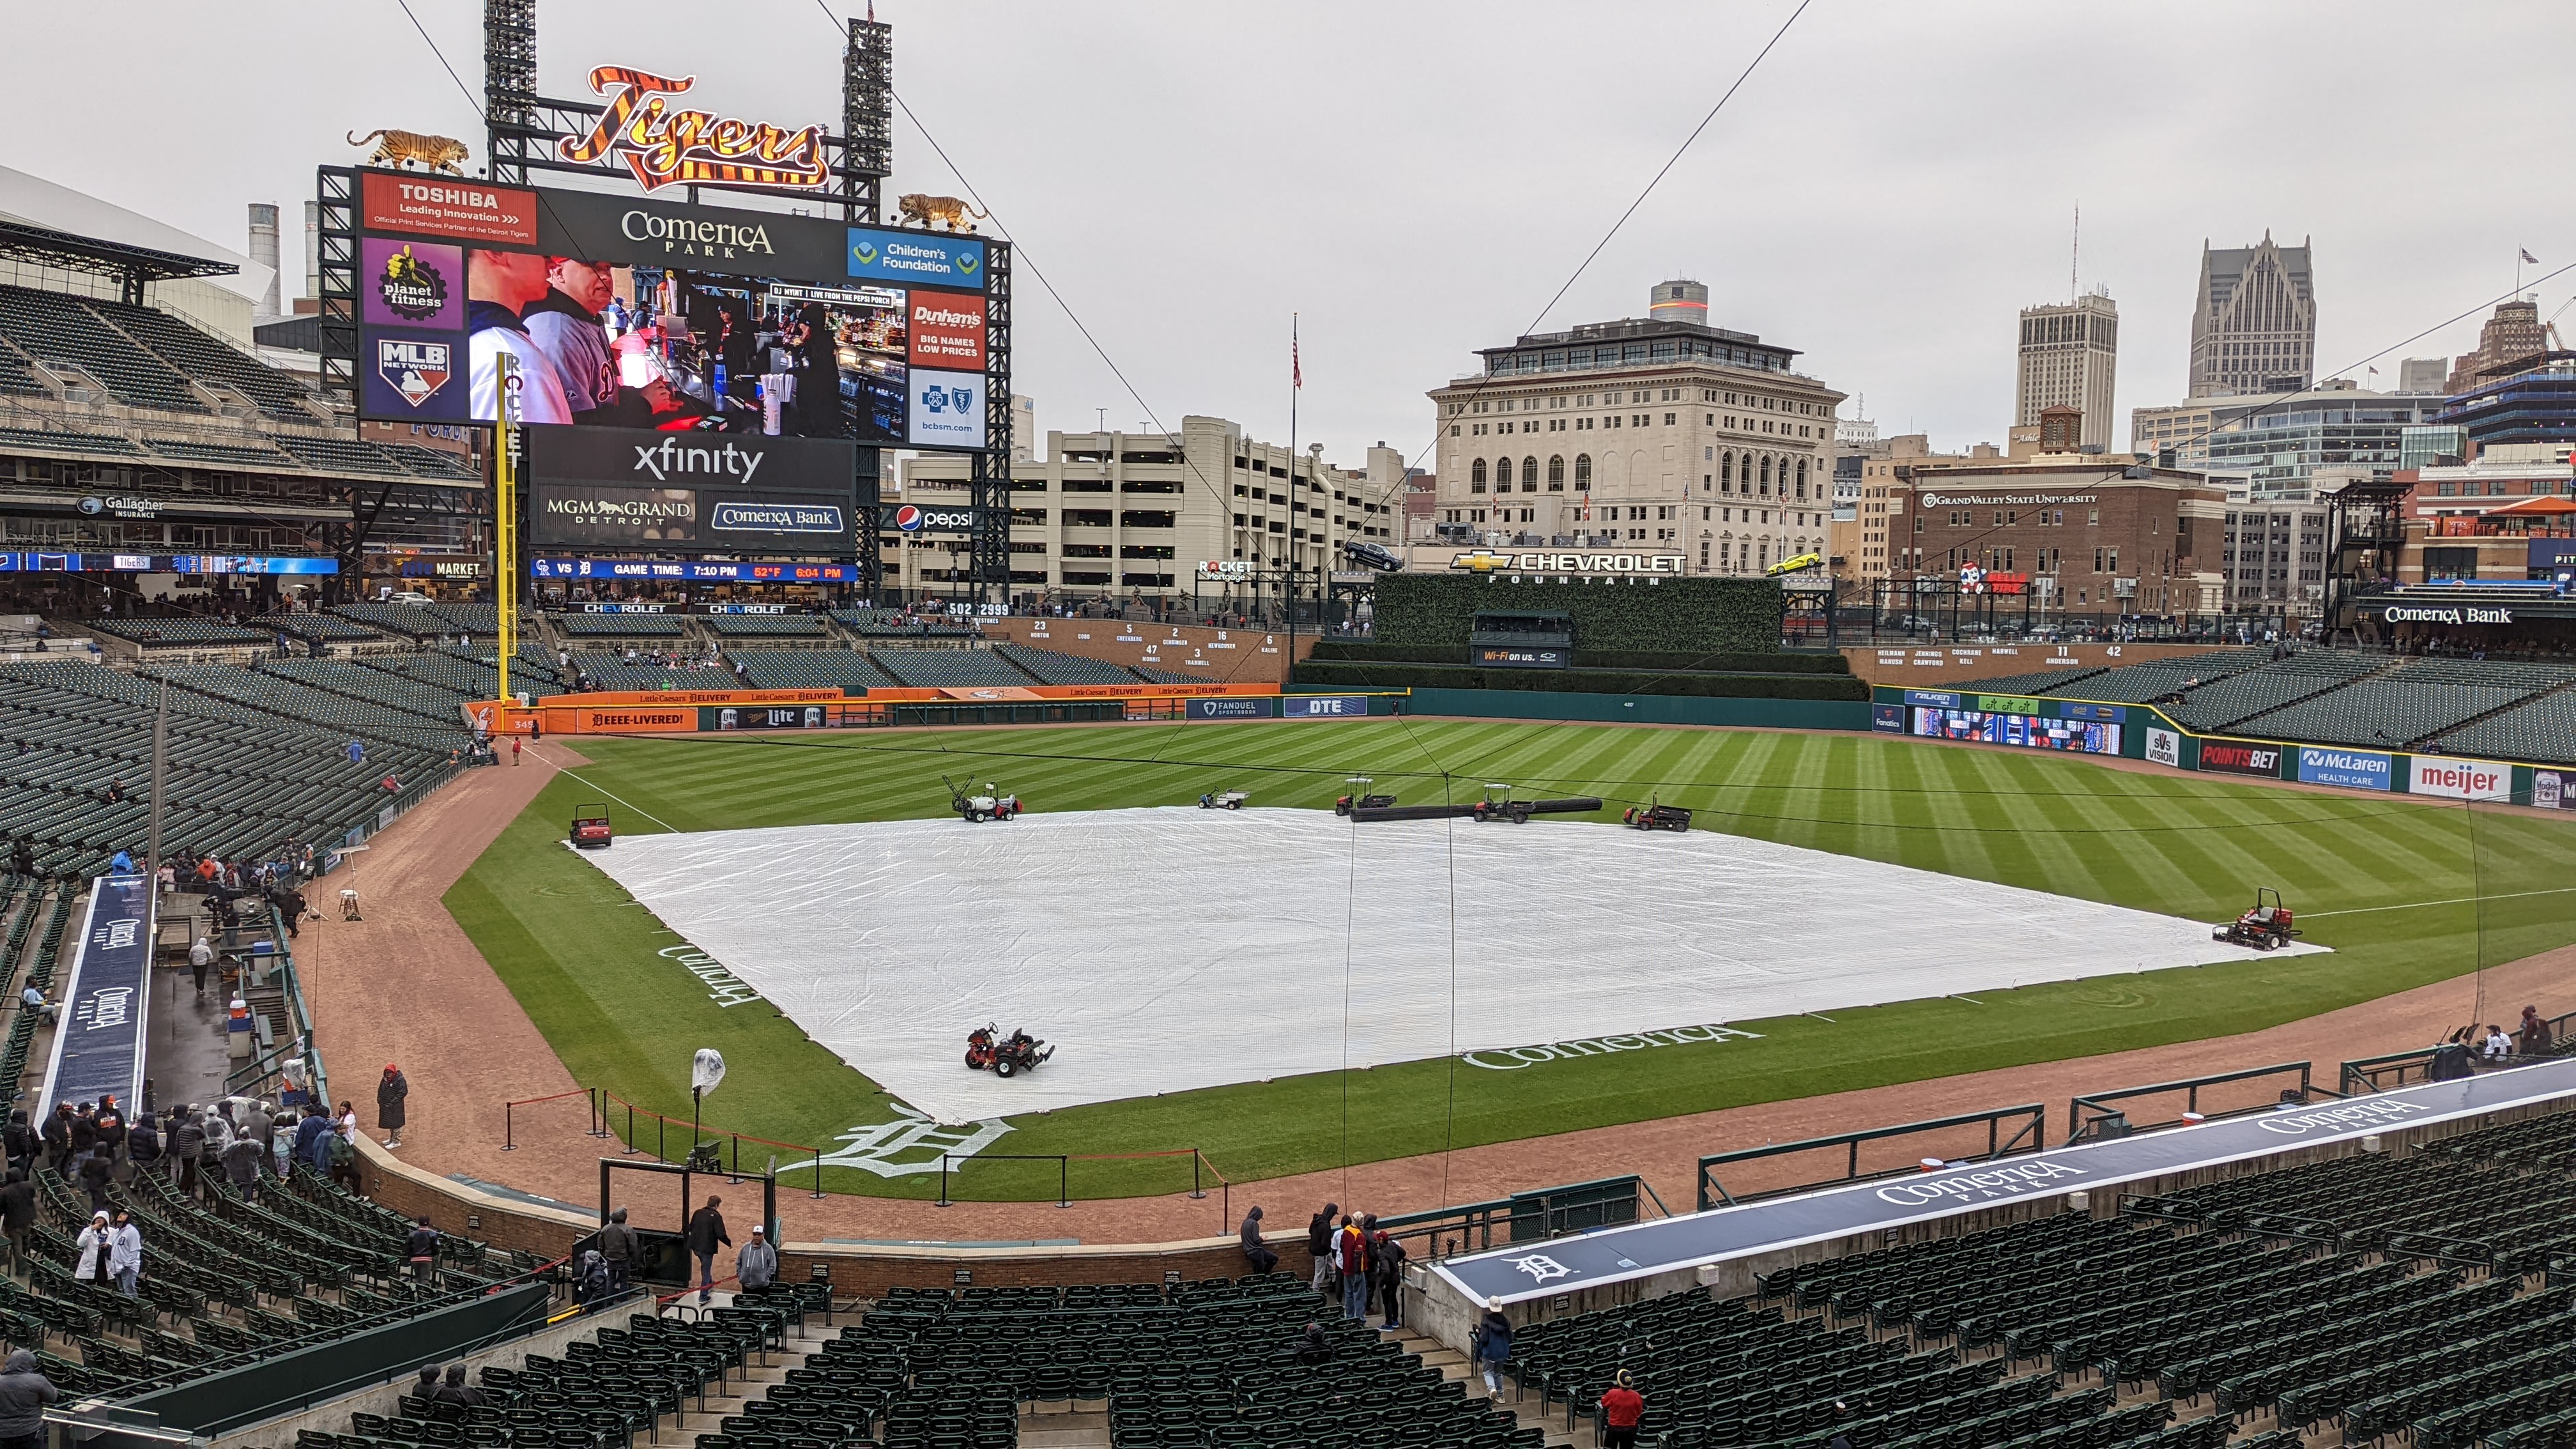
(908, 519)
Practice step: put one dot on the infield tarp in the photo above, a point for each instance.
(1163, 950)
(98, 1050)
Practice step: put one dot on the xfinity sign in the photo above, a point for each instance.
(671, 457)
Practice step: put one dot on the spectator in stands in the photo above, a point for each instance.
(34, 1000)
(455, 1390)
(392, 785)
(91, 1173)
(706, 1231)
(84, 1128)
(309, 1132)
(97, 1248)
(391, 1089)
(427, 1384)
(1319, 1243)
(1316, 1347)
(125, 1260)
(187, 1140)
(256, 1124)
(242, 1158)
(498, 286)
(617, 1249)
(756, 1266)
(1492, 1345)
(116, 795)
(422, 1249)
(143, 1144)
(111, 1129)
(2497, 1048)
(1841, 1426)
(121, 863)
(24, 1393)
(341, 1148)
(281, 1142)
(58, 1136)
(20, 1141)
(1621, 1407)
(214, 1137)
(200, 956)
(1255, 1251)
(2533, 1036)
(1350, 1254)
(357, 752)
(22, 859)
(17, 1213)
(1388, 1268)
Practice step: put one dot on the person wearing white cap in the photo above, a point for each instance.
(756, 1265)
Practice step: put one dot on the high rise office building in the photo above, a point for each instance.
(2069, 353)
(2254, 323)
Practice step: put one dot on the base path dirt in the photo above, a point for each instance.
(406, 985)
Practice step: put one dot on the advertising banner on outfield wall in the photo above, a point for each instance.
(2460, 779)
(1255, 707)
(2352, 769)
(2241, 757)
(2549, 789)
(1323, 706)
(2164, 746)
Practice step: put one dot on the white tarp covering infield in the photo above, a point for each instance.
(1168, 949)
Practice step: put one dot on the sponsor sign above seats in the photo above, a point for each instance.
(1678, 1245)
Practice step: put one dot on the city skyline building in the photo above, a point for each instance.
(1653, 434)
(2069, 356)
(2253, 320)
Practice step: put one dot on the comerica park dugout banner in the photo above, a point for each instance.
(99, 1049)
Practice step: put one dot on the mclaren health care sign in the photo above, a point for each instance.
(98, 1050)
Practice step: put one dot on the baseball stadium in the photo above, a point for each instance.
(571, 932)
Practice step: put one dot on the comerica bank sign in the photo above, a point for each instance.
(2445, 614)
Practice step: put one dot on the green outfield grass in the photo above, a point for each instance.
(2468, 889)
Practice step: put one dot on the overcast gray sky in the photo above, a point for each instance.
(1418, 179)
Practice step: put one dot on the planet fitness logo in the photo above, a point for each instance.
(411, 288)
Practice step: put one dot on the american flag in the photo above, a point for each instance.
(2528, 257)
(1296, 369)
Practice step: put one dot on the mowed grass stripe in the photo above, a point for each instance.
(581, 958)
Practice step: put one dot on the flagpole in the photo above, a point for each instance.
(1296, 383)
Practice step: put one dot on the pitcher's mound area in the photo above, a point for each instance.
(1168, 949)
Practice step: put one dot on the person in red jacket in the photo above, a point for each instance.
(1621, 1408)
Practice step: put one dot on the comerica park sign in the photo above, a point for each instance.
(1489, 561)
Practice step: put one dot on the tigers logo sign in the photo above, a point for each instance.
(662, 145)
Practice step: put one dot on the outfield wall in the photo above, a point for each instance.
(1538, 704)
(2144, 732)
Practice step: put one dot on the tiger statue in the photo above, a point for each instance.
(946, 212)
(401, 148)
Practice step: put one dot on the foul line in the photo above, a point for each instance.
(629, 804)
(2453, 901)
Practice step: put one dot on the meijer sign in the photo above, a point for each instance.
(2461, 779)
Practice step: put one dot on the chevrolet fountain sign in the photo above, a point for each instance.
(1489, 561)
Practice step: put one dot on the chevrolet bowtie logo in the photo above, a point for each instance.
(1483, 561)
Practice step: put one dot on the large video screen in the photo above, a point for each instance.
(663, 316)
(2091, 737)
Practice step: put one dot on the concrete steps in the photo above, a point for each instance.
(1454, 1367)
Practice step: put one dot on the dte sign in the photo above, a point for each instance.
(1323, 706)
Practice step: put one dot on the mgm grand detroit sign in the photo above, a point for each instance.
(1487, 562)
